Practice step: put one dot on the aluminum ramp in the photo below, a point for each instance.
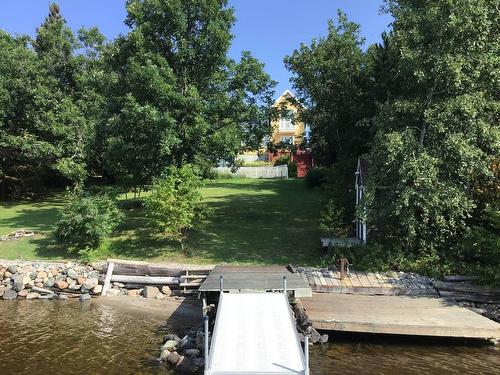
(255, 334)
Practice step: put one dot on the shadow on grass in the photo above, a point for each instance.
(37, 219)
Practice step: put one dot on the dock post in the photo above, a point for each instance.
(306, 353)
(284, 285)
(221, 283)
(205, 321)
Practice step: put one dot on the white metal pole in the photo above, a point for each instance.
(306, 353)
(221, 283)
(284, 285)
(205, 319)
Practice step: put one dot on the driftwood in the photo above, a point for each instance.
(305, 325)
(143, 269)
(466, 288)
(155, 280)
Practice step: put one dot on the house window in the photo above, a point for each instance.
(287, 139)
(286, 122)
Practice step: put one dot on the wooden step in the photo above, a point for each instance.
(195, 285)
(194, 276)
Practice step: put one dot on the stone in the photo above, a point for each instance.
(2, 290)
(192, 353)
(166, 290)
(7, 274)
(171, 336)
(39, 285)
(42, 290)
(12, 269)
(81, 280)
(173, 358)
(85, 297)
(187, 344)
(113, 292)
(61, 296)
(72, 273)
(160, 295)
(119, 285)
(323, 339)
(74, 287)
(49, 283)
(38, 280)
(33, 295)
(97, 289)
(134, 292)
(69, 280)
(90, 283)
(18, 283)
(150, 291)
(170, 345)
(189, 365)
(22, 293)
(61, 284)
(164, 355)
(41, 275)
(9, 294)
(46, 296)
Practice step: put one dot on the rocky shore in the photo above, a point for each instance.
(44, 280)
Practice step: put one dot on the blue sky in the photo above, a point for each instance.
(270, 29)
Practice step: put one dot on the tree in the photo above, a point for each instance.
(330, 79)
(438, 137)
(175, 203)
(172, 72)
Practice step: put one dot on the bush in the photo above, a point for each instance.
(175, 203)
(332, 220)
(282, 160)
(86, 221)
(292, 169)
(315, 177)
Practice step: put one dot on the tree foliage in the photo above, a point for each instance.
(175, 203)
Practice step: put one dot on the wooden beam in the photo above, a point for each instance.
(158, 280)
(124, 261)
(107, 280)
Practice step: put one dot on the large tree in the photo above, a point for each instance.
(176, 97)
(438, 136)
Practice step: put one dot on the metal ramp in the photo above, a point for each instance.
(255, 334)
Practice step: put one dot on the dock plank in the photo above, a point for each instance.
(404, 315)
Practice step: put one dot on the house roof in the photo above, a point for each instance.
(287, 94)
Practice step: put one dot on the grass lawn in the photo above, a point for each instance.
(251, 221)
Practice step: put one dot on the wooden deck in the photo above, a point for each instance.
(402, 315)
(254, 279)
(367, 283)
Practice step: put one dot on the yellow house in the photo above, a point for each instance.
(286, 128)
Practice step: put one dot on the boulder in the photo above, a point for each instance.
(80, 280)
(33, 295)
(12, 269)
(150, 291)
(160, 295)
(166, 290)
(164, 355)
(187, 344)
(75, 287)
(7, 274)
(72, 273)
(49, 283)
(134, 292)
(170, 345)
(90, 283)
(189, 365)
(9, 294)
(22, 293)
(85, 297)
(61, 284)
(171, 336)
(2, 290)
(173, 358)
(97, 289)
(18, 284)
(192, 353)
(41, 275)
(119, 285)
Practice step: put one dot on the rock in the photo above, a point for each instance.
(75, 287)
(323, 339)
(9, 294)
(192, 353)
(46, 296)
(2, 290)
(187, 344)
(12, 269)
(61, 296)
(70, 281)
(164, 355)
(49, 283)
(81, 280)
(113, 292)
(171, 336)
(7, 274)
(18, 283)
(97, 289)
(41, 275)
(189, 365)
(166, 290)
(1, 274)
(170, 345)
(72, 273)
(39, 285)
(134, 292)
(22, 293)
(85, 297)
(61, 284)
(160, 295)
(90, 283)
(150, 291)
(33, 295)
(173, 358)
(119, 285)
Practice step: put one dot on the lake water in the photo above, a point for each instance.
(68, 337)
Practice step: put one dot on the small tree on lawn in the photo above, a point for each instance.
(175, 204)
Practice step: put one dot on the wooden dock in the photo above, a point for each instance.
(255, 279)
(402, 315)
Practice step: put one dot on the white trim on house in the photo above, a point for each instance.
(287, 138)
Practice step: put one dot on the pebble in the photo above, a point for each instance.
(9, 294)
(22, 293)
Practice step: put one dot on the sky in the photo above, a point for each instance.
(270, 29)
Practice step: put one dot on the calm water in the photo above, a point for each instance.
(67, 337)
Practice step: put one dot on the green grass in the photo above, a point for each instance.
(251, 222)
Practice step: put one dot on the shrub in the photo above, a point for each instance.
(332, 220)
(292, 169)
(315, 177)
(282, 160)
(175, 203)
(86, 221)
